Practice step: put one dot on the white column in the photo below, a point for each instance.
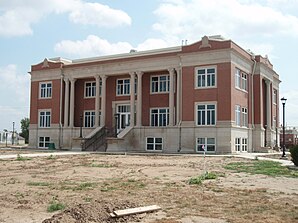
(171, 97)
(268, 104)
(132, 99)
(97, 95)
(178, 95)
(103, 100)
(72, 100)
(139, 102)
(66, 102)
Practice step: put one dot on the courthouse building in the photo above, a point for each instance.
(211, 95)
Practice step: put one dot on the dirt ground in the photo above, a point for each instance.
(91, 186)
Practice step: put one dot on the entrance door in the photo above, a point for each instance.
(123, 121)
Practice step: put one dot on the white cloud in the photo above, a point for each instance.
(234, 19)
(17, 16)
(100, 15)
(14, 88)
(91, 46)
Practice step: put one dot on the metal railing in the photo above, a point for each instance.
(97, 142)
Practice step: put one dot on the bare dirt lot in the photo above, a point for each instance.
(91, 186)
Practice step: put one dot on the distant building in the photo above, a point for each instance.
(210, 95)
(291, 137)
(6, 138)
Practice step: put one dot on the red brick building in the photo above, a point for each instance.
(211, 94)
(291, 137)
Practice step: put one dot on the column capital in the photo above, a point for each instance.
(66, 79)
(132, 73)
(96, 76)
(267, 81)
(103, 76)
(171, 70)
(140, 73)
(72, 79)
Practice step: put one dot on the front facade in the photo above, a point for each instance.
(211, 95)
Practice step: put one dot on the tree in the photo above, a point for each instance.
(25, 129)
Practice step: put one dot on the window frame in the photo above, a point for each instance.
(205, 77)
(45, 94)
(125, 90)
(237, 115)
(244, 81)
(91, 119)
(206, 104)
(154, 144)
(166, 85)
(244, 114)
(44, 142)
(274, 95)
(46, 120)
(167, 115)
(206, 144)
(237, 142)
(92, 89)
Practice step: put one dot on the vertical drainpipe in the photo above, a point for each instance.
(60, 141)
(179, 94)
(252, 96)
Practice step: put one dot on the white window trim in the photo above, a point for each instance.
(158, 113)
(241, 144)
(44, 110)
(240, 113)
(241, 80)
(205, 103)
(274, 96)
(196, 77)
(117, 87)
(43, 147)
(85, 89)
(206, 138)
(39, 90)
(160, 92)
(154, 143)
(243, 73)
(84, 123)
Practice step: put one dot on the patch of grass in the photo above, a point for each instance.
(199, 179)
(88, 199)
(21, 158)
(40, 184)
(106, 189)
(55, 206)
(101, 165)
(84, 186)
(51, 157)
(269, 168)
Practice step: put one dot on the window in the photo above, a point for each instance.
(89, 119)
(240, 80)
(244, 81)
(123, 86)
(44, 119)
(45, 90)
(237, 115)
(244, 117)
(205, 77)
(90, 89)
(244, 145)
(207, 144)
(274, 96)
(206, 114)
(237, 144)
(274, 123)
(160, 83)
(159, 117)
(44, 142)
(154, 143)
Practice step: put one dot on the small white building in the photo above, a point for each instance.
(6, 138)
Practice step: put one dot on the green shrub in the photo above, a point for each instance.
(294, 155)
(55, 206)
(199, 179)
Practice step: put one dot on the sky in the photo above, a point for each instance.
(31, 30)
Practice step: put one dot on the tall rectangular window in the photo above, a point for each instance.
(237, 144)
(90, 89)
(206, 114)
(89, 119)
(123, 86)
(45, 90)
(160, 84)
(244, 145)
(154, 143)
(44, 119)
(159, 117)
(237, 78)
(244, 117)
(237, 115)
(244, 81)
(207, 144)
(205, 77)
(43, 142)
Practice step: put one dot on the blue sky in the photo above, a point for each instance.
(31, 30)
